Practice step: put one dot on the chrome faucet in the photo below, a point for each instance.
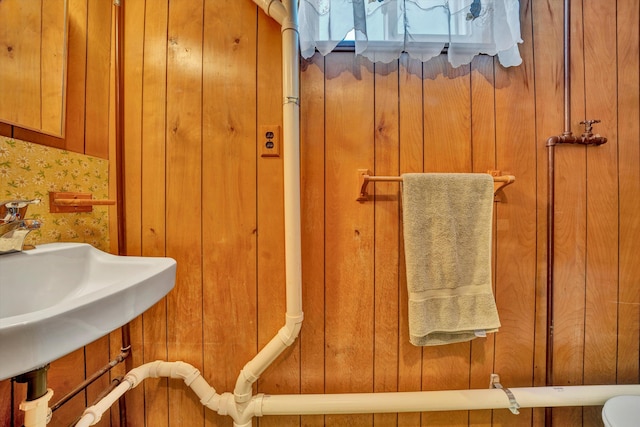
(14, 228)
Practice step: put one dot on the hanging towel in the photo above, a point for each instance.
(447, 220)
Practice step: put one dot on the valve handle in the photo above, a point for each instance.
(588, 125)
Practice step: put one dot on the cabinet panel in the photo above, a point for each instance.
(33, 54)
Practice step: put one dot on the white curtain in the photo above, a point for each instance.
(385, 28)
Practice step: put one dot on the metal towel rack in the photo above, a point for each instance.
(365, 177)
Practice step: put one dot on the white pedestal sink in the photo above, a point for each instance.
(59, 297)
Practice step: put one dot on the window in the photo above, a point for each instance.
(382, 29)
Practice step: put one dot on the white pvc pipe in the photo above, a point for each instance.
(274, 9)
(293, 246)
(356, 403)
(444, 400)
(159, 369)
(37, 412)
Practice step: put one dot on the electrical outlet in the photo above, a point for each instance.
(269, 141)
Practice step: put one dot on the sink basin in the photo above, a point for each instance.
(59, 297)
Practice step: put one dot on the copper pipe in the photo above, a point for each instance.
(551, 143)
(119, 125)
(124, 353)
(120, 187)
(587, 138)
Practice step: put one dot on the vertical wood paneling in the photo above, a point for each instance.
(5, 407)
(62, 377)
(387, 238)
(53, 52)
(229, 194)
(516, 223)
(21, 62)
(571, 241)
(411, 132)
(202, 76)
(628, 117)
(96, 130)
(349, 239)
(184, 190)
(76, 75)
(312, 158)
(152, 215)
(601, 317)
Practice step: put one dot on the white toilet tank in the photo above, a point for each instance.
(622, 411)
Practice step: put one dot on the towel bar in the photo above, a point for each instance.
(364, 177)
(61, 202)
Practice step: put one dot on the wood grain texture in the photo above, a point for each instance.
(229, 194)
(76, 75)
(312, 158)
(21, 56)
(601, 303)
(516, 224)
(150, 237)
(387, 237)
(629, 187)
(53, 62)
(97, 83)
(200, 85)
(411, 132)
(349, 316)
(184, 187)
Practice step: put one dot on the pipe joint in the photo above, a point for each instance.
(289, 24)
(552, 141)
(243, 390)
(227, 404)
(241, 412)
(188, 375)
(290, 331)
(274, 9)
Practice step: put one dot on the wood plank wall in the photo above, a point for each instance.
(202, 76)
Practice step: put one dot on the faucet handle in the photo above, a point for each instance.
(19, 203)
(13, 208)
(588, 125)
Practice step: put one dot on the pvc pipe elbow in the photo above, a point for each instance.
(291, 329)
(243, 390)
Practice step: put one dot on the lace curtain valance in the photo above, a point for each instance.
(423, 28)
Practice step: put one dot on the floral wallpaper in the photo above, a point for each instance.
(29, 171)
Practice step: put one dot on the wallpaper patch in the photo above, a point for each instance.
(30, 171)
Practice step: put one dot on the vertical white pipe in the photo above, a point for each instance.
(291, 149)
(36, 412)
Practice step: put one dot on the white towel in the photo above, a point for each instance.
(447, 222)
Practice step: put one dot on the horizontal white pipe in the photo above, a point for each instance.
(356, 403)
(444, 400)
